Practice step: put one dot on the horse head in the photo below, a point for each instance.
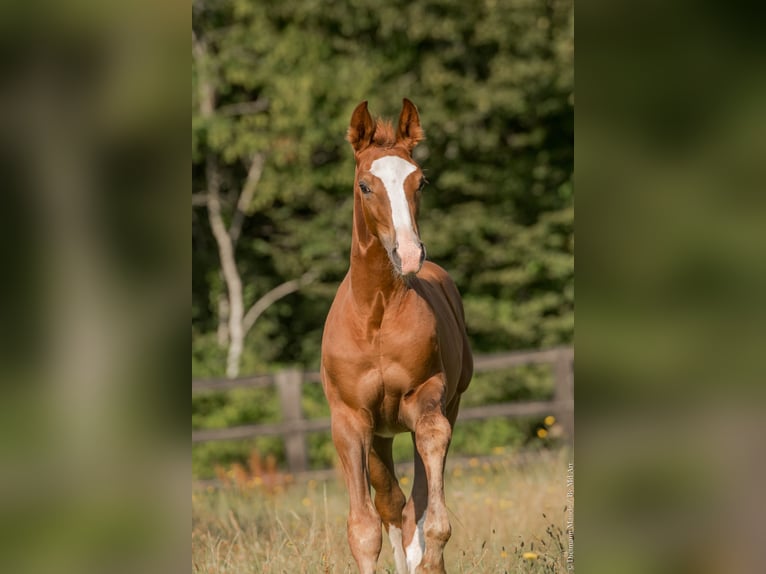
(388, 183)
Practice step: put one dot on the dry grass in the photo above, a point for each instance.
(508, 514)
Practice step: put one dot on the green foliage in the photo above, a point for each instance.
(321, 450)
(482, 437)
(207, 455)
(234, 407)
(529, 383)
(493, 81)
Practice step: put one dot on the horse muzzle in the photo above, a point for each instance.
(408, 257)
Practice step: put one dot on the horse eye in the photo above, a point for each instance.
(422, 183)
(363, 186)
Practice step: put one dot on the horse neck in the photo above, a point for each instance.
(372, 280)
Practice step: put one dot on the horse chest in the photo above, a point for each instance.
(398, 354)
(412, 348)
(405, 350)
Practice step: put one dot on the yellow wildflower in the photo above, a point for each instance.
(529, 555)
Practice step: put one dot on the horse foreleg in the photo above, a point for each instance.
(352, 435)
(426, 512)
(432, 434)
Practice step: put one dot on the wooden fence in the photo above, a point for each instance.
(294, 427)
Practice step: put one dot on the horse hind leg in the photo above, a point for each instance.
(413, 515)
(389, 498)
(352, 436)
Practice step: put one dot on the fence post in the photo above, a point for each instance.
(564, 391)
(289, 384)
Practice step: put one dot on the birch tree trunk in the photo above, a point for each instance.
(234, 323)
(228, 267)
(217, 225)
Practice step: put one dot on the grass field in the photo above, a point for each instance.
(508, 514)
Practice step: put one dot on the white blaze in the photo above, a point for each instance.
(392, 171)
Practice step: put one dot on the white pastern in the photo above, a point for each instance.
(395, 535)
(417, 547)
(392, 171)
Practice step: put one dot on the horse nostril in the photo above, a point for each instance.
(396, 259)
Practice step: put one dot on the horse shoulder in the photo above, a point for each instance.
(442, 289)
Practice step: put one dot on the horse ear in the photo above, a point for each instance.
(362, 128)
(409, 132)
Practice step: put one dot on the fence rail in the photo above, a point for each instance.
(294, 426)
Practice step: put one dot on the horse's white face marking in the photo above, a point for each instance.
(392, 171)
(395, 535)
(417, 547)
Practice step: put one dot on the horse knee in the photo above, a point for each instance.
(433, 434)
(364, 532)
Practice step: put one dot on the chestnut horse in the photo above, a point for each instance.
(395, 355)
